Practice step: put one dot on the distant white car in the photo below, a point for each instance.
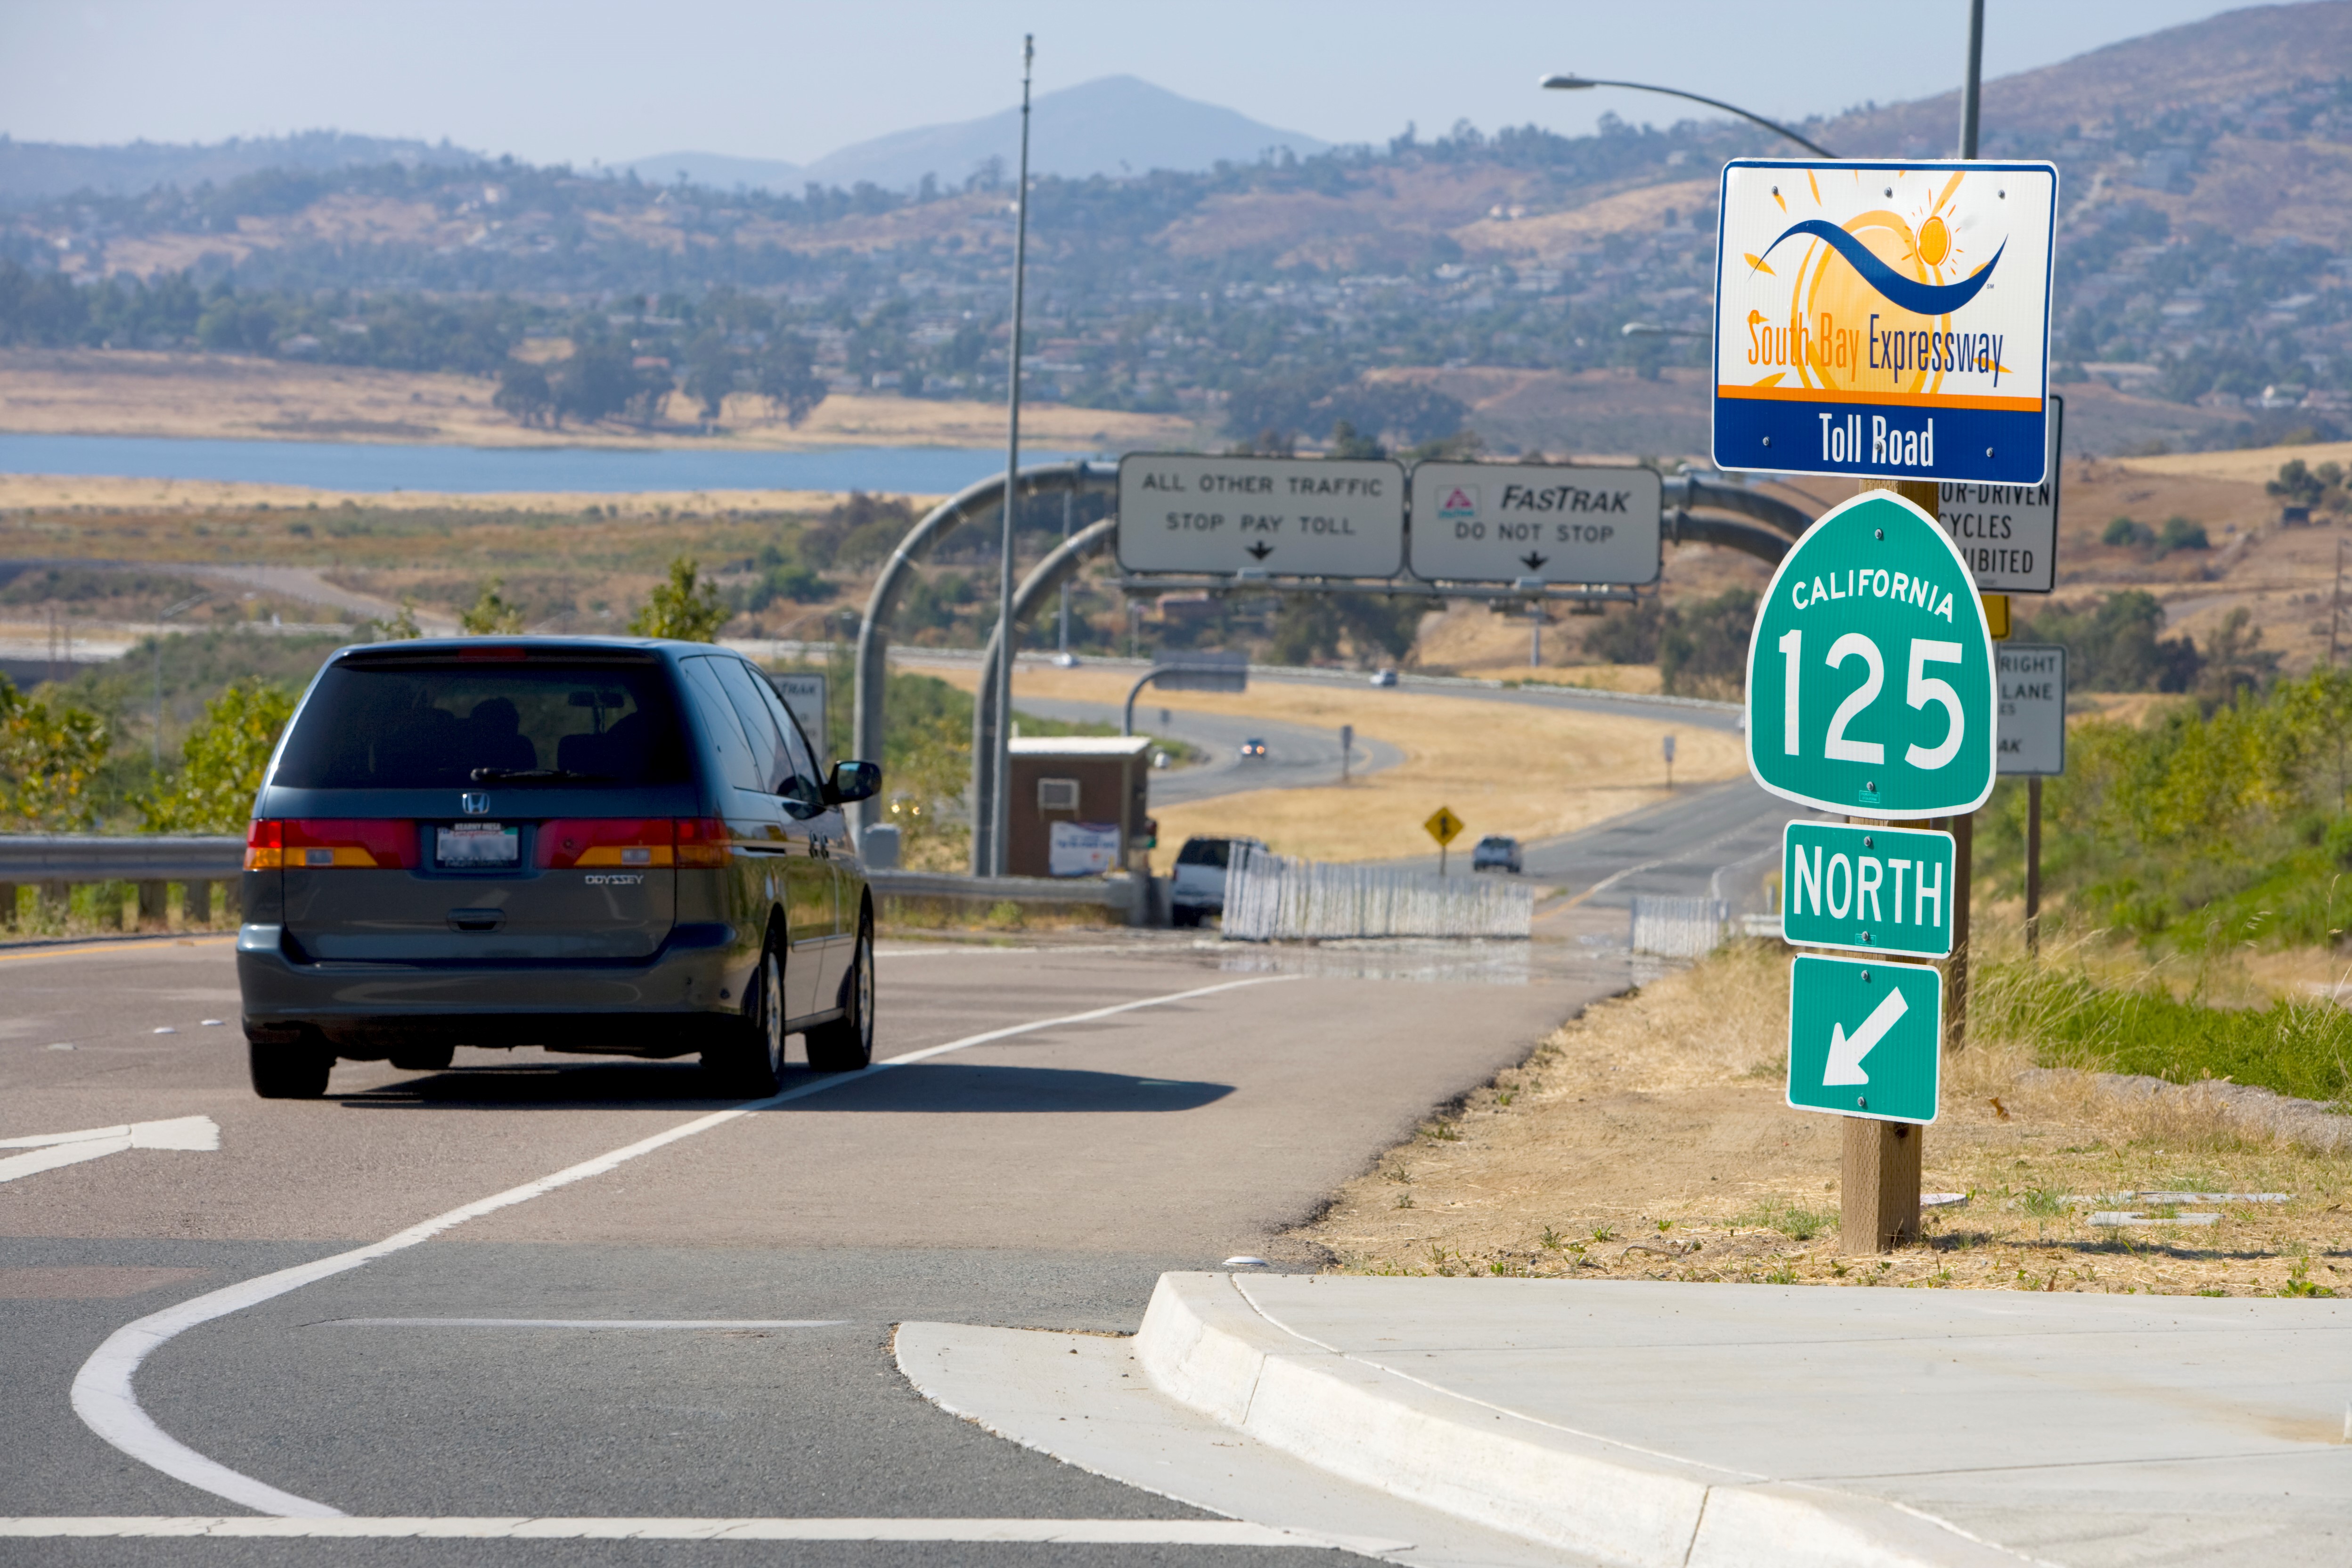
(1198, 889)
(1384, 677)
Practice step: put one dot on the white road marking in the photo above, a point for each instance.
(102, 1392)
(1041, 1531)
(51, 1150)
(579, 1323)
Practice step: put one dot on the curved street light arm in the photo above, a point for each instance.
(1571, 83)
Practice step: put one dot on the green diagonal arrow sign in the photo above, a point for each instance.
(1863, 1037)
(1870, 674)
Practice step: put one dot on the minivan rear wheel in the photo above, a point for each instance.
(847, 1044)
(288, 1070)
(753, 1062)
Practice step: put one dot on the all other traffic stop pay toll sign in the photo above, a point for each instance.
(1870, 672)
(1510, 522)
(1863, 1037)
(1288, 517)
(1888, 319)
(1866, 889)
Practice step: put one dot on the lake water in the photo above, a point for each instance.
(473, 471)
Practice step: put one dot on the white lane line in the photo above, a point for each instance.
(1041, 1531)
(104, 1399)
(52, 1150)
(578, 1323)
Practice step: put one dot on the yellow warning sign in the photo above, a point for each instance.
(1444, 825)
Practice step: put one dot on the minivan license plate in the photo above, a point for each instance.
(474, 844)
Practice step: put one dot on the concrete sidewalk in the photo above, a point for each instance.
(1629, 1422)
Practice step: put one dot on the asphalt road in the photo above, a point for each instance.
(1040, 1179)
(1297, 755)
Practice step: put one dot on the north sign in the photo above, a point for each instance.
(1281, 517)
(1884, 320)
(1514, 522)
(1869, 671)
(2008, 533)
(1866, 889)
(1864, 1037)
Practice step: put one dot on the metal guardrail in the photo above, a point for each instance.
(129, 858)
(1119, 893)
(1679, 927)
(1273, 897)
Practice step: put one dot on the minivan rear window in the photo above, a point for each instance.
(427, 726)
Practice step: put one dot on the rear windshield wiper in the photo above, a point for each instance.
(535, 775)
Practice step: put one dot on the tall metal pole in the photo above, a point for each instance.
(1973, 88)
(1000, 761)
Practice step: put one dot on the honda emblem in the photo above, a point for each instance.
(474, 802)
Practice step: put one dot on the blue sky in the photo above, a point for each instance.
(596, 79)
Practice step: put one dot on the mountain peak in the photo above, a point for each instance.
(1114, 125)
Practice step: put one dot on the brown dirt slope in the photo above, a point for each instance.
(1649, 1139)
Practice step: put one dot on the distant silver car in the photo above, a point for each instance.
(1497, 852)
(1384, 677)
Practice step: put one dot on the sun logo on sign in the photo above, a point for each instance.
(1908, 263)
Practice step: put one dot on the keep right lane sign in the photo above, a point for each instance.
(2032, 724)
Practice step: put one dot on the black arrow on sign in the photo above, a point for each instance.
(1261, 550)
(1532, 560)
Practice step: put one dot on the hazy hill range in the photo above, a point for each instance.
(2203, 294)
(1115, 126)
(36, 171)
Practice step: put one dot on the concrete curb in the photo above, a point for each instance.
(1204, 1344)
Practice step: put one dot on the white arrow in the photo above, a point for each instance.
(51, 1150)
(1846, 1051)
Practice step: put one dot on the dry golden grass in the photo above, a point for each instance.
(1649, 1139)
(1528, 772)
(128, 393)
(2248, 465)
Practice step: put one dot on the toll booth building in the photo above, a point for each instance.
(1078, 805)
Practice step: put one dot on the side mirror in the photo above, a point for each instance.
(853, 781)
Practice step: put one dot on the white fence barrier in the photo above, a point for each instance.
(1679, 927)
(1270, 897)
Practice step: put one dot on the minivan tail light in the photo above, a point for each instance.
(701, 841)
(624, 841)
(330, 843)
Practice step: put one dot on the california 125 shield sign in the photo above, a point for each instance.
(1884, 320)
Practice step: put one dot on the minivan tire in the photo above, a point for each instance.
(751, 1062)
(289, 1071)
(847, 1043)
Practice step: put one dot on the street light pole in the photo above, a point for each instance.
(1972, 90)
(187, 604)
(989, 852)
(1572, 83)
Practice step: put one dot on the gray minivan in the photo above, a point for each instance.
(620, 848)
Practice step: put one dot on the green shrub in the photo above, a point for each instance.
(222, 763)
(2295, 1046)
